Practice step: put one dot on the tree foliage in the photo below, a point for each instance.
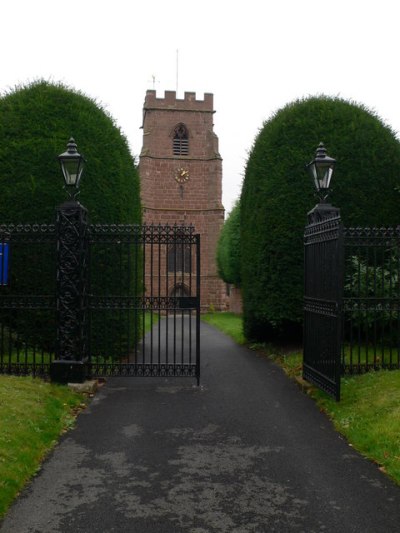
(36, 122)
(277, 194)
(228, 248)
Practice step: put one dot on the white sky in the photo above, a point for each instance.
(254, 55)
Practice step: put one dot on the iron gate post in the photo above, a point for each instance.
(322, 211)
(198, 308)
(70, 364)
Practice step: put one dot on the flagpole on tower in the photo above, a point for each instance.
(177, 70)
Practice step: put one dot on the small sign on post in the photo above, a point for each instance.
(4, 263)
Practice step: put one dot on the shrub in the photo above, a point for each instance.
(228, 248)
(277, 193)
(36, 122)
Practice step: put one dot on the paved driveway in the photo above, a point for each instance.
(245, 452)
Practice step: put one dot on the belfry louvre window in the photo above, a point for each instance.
(180, 143)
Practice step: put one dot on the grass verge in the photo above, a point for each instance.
(33, 414)
(368, 414)
(229, 323)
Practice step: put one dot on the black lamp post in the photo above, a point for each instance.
(321, 169)
(72, 163)
(70, 364)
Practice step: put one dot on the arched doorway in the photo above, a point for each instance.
(179, 290)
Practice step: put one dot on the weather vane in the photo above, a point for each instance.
(153, 80)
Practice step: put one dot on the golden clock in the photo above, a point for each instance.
(182, 175)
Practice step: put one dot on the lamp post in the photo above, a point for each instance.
(321, 169)
(72, 275)
(72, 163)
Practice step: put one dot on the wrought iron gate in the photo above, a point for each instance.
(28, 299)
(138, 289)
(144, 314)
(371, 300)
(323, 242)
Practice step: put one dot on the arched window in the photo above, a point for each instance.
(179, 258)
(180, 142)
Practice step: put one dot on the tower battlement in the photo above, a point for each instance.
(171, 102)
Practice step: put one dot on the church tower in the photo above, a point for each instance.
(181, 176)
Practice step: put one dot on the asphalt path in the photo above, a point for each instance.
(246, 452)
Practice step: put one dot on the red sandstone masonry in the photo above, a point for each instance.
(170, 101)
(197, 202)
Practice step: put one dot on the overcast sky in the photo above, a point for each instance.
(254, 55)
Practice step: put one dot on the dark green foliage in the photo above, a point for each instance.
(36, 123)
(277, 194)
(228, 249)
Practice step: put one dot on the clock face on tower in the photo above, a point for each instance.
(182, 175)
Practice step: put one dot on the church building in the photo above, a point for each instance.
(181, 177)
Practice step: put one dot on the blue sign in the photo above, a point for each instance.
(3, 263)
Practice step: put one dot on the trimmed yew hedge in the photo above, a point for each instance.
(277, 194)
(228, 248)
(36, 122)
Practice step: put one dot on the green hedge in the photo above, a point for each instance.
(277, 194)
(36, 122)
(228, 248)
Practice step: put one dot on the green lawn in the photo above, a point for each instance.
(368, 414)
(33, 414)
(26, 356)
(229, 323)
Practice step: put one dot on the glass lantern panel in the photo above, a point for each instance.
(72, 171)
(324, 176)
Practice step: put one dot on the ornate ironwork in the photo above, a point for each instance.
(321, 307)
(322, 303)
(143, 303)
(142, 370)
(145, 325)
(371, 301)
(29, 233)
(322, 212)
(72, 282)
(27, 302)
(352, 301)
(117, 305)
(141, 234)
(25, 369)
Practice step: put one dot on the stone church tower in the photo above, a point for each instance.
(181, 176)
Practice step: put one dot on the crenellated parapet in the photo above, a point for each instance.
(171, 102)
